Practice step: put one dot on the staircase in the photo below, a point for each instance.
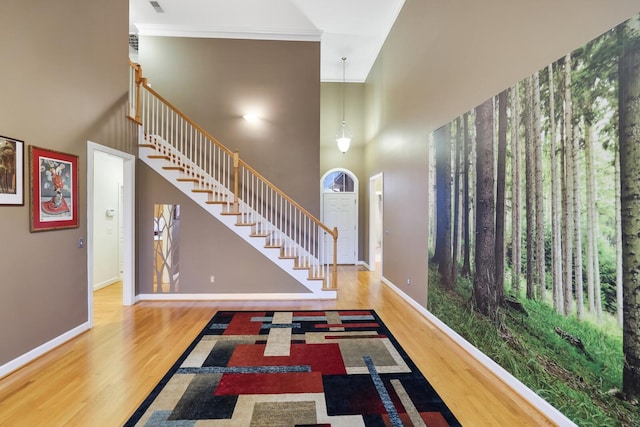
(231, 191)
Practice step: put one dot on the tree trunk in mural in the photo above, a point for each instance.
(567, 190)
(629, 111)
(530, 199)
(456, 203)
(590, 243)
(577, 225)
(539, 194)
(466, 264)
(516, 222)
(442, 142)
(593, 262)
(556, 241)
(619, 283)
(500, 192)
(485, 296)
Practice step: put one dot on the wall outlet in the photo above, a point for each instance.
(408, 281)
(212, 279)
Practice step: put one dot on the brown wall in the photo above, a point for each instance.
(63, 81)
(216, 81)
(440, 60)
(207, 247)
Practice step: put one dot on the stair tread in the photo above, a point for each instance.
(261, 234)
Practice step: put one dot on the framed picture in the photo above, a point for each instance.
(11, 171)
(54, 189)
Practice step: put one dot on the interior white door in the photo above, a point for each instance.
(340, 211)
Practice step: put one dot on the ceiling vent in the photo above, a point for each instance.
(133, 41)
(156, 6)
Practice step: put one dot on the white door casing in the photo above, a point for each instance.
(128, 223)
(376, 201)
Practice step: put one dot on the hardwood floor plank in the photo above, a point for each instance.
(100, 377)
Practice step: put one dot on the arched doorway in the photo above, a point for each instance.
(339, 189)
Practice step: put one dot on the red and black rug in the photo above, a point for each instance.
(294, 368)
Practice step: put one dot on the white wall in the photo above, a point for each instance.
(108, 173)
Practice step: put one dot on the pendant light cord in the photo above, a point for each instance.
(344, 59)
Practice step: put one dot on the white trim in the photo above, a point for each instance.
(364, 264)
(534, 400)
(236, 297)
(30, 356)
(373, 207)
(128, 223)
(227, 32)
(105, 283)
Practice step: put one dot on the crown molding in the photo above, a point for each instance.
(227, 33)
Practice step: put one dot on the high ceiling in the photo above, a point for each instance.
(355, 29)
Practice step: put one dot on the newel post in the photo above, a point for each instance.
(139, 81)
(236, 163)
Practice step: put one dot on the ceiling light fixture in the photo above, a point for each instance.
(343, 138)
(250, 117)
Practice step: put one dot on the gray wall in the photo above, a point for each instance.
(63, 81)
(440, 60)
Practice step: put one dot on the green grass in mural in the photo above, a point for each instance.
(576, 382)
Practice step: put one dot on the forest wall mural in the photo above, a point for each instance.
(536, 251)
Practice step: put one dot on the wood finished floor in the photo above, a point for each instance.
(100, 377)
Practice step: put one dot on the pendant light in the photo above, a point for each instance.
(343, 138)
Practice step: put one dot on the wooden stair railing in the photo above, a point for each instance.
(228, 180)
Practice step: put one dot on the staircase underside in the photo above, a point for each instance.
(244, 227)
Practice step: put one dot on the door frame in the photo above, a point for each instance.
(373, 206)
(356, 187)
(128, 212)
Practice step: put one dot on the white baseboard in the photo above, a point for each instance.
(105, 283)
(534, 400)
(237, 297)
(19, 362)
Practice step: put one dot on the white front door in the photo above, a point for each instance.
(340, 211)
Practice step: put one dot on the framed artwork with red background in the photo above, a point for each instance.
(54, 189)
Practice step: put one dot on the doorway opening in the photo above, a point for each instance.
(339, 189)
(110, 217)
(376, 203)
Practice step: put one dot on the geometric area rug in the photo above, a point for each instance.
(294, 369)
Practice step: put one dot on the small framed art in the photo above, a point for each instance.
(54, 189)
(11, 171)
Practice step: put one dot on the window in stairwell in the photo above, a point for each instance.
(166, 258)
(338, 182)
